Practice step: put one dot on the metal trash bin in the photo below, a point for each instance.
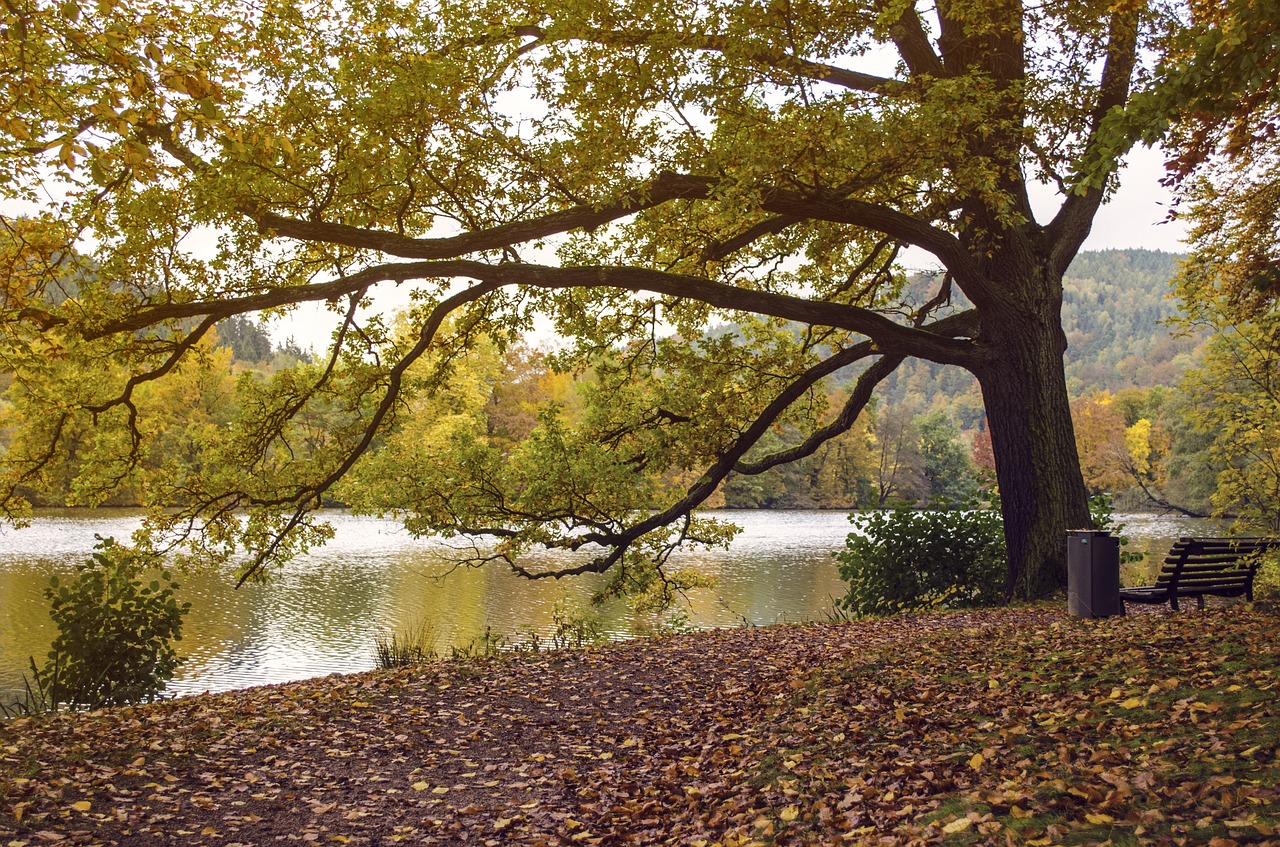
(1093, 574)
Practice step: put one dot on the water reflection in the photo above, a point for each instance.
(320, 614)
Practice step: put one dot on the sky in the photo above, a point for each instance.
(1135, 217)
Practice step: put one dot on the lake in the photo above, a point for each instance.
(322, 613)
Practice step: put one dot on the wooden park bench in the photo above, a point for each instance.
(1196, 567)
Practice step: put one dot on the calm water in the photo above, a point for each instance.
(321, 614)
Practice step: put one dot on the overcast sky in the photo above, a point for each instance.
(1135, 217)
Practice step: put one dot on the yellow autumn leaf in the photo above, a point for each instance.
(977, 761)
(82, 806)
(18, 129)
(957, 825)
(790, 813)
(1099, 818)
(421, 786)
(1131, 703)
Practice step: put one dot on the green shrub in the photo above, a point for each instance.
(114, 642)
(1266, 583)
(904, 560)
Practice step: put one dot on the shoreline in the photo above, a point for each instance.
(909, 728)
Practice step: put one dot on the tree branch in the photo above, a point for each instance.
(889, 336)
(712, 477)
(665, 187)
(775, 59)
(914, 47)
(830, 206)
(307, 497)
(717, 251)
(1070, 227)
(853, 407)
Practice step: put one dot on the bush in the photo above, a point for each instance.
(904, 560)
(1266, 584)
(114, 642)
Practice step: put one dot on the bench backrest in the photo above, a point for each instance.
(1219, 563)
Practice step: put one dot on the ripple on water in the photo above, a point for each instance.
(321, 613)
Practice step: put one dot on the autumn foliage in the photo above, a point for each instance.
(1010, 726)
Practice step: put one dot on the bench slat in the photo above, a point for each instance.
(1204, 560)
(1206, 572)
(1206, 585)
(1224, 546)
(1196, 567)
(1187, 576)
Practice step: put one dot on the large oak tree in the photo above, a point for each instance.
(637, 171)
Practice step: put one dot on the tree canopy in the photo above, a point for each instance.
(633, 171)
(1216, 107)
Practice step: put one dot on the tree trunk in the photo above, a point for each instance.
(1028, 412)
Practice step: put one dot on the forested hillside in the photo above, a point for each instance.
(1114, 313)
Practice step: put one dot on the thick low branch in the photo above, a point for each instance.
(793, 206)
(664, 188)
(889, 336)
(272, 298)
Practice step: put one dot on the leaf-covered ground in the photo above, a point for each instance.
(1012, 726)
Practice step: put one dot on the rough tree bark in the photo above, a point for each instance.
(1024, 390)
